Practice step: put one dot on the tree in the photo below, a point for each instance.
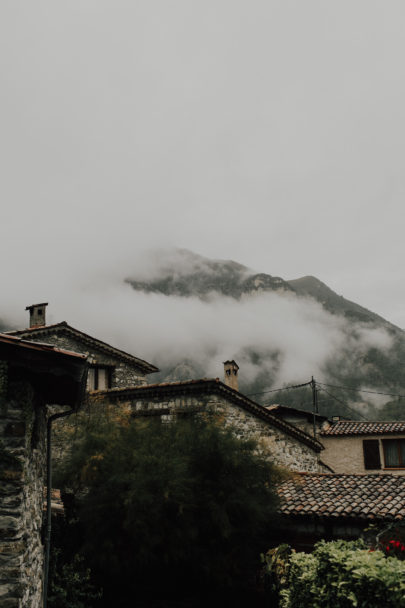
(173, 506)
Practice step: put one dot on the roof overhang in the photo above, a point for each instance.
(57, 376)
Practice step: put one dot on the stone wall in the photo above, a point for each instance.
(22, 470)
(284, 450)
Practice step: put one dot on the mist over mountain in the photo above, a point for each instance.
(184, 273)
(285, 331)
(186, 314)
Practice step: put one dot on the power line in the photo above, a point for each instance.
(359, 390)
(276, 390)
(343, 403)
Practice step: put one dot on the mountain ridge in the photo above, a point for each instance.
(357, 365)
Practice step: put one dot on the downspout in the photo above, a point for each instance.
(48, 498)
(49, 482)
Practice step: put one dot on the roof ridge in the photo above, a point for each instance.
(147, 367)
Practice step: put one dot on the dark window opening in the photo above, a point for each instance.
(371, 452)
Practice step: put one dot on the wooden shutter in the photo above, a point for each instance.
(371, 451)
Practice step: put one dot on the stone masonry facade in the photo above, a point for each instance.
(22, 470)
(284, 450)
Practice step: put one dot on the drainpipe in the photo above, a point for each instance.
(82, 391)
(48, 498)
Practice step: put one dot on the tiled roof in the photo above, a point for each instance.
(359, 427)
(37, 346)
(65, 328)
(364, 497)
(206, 385)
(58, 375)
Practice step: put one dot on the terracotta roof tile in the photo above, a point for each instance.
(353, 496)
(366, 427)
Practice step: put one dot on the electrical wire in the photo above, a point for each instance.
(343, 403)
(359, 390)
(276, 390)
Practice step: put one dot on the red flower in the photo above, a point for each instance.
(387, 548)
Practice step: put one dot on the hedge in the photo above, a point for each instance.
(343, 574)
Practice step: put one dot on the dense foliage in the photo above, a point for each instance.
(169, 507)
(343, 574)
(70, 583)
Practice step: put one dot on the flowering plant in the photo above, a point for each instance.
(390, 539)
(394, 548)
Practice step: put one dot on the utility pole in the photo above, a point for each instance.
(314, 402)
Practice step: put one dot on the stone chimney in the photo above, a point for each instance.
(231, 374)
(37, 314)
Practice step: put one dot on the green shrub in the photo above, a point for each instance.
(186, 504)
(344, 574)
(70, 584)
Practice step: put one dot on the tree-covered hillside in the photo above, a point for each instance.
(367, 352)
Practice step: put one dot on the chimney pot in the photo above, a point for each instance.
(231, 374)
(37, 314)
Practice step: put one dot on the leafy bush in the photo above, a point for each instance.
(70, 584)
(170, 506)
(344, 574)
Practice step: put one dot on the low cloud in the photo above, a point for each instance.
(276, 336)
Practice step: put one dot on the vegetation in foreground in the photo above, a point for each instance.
(339, 574)
(167, 510)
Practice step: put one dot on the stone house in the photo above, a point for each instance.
(353, 446)
(32, 376)
(287, 445)
(108, 366)
(315, 507)
(116, 377)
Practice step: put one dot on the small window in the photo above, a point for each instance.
(394, 453)
(371, 452)
(98, 378)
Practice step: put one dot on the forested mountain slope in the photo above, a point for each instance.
(366, 351)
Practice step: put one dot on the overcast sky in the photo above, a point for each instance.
(268, 132)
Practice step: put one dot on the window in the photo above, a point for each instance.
(394, 453)
(98, 378)
(371, 452)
